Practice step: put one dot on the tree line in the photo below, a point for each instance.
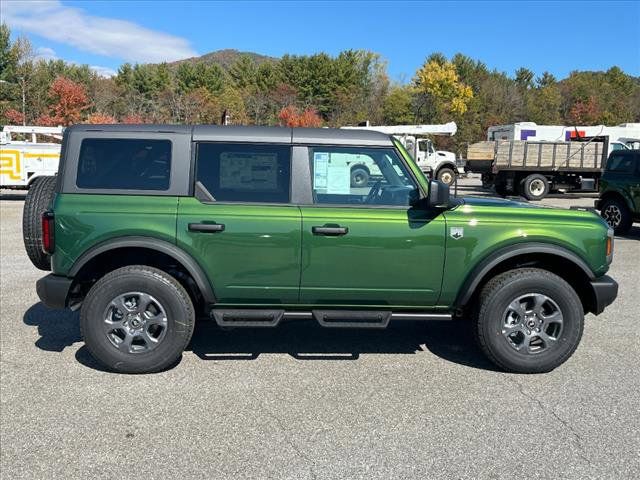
(308, 90)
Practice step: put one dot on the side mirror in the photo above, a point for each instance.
(414, 197)
(438, 194)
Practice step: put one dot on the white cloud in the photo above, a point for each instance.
(103, 71)
(45, 53)
(100, 35)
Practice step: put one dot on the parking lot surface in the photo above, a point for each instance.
(415, 401)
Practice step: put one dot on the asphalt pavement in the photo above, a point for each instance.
(415, 401)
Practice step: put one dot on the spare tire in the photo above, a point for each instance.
(37, 201)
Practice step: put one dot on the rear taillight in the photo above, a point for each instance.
(48, 233)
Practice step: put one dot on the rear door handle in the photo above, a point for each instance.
(206, 227)
(330, 231)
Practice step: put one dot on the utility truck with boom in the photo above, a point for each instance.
(442, 165)
(24, 163)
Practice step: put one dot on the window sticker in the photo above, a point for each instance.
(248, 171)
(320, 166)
(338, 178)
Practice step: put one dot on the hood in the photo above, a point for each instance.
(516, 208)
(498, 202)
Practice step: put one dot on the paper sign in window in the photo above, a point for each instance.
(338, 178)
(241, 171)
(320, 167)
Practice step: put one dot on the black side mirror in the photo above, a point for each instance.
(414, 197)
(438, 194)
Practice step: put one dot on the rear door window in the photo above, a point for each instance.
(124, 164)
(245, 172)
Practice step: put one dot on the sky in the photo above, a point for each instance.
(543, 36)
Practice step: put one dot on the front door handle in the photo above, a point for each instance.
(206, 227)
(330, 231)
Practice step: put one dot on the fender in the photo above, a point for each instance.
(622, 195)
(180, 256)
(488, 263)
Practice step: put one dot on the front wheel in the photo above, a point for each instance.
(617, 215)
(529, 321)
(137, 319)
(446, 175)
(359, 177)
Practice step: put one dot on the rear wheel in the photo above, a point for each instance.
(137, 319)
(529, 321)
(535, 187)
(37, 201)
(446, 175)
(617, 215)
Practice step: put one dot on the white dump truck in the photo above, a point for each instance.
(23, 162)
(415, 138)
(532, 160)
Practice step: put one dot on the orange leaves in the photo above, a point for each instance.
(290, 116)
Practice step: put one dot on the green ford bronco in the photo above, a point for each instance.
(148, 227)
(619, 201)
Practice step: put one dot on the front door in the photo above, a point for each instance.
(365, 246)
(240, 226)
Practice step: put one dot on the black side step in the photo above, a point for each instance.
(247, 318)
(352, 318)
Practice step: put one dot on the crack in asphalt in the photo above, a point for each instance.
(298, 452)
(566, 425)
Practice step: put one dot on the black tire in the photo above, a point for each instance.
(446, 175)
(166, 291)
(359, 177)
(37, 201)
(535, 187)
(617, 214)
(501, 189)
(487, 180)
(500, 346)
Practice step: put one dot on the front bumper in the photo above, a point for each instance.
(53, 290)
(605, 291)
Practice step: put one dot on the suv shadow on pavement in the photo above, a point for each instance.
(306, 340)
(303, 340)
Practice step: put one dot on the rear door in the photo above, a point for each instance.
(365, 246)
(240, 225)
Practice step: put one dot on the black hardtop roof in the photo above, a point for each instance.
(233, 133)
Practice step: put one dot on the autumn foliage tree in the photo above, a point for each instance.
(14, 117)
(440, 81)
(69, 102)
(100, 119)
(290, 116)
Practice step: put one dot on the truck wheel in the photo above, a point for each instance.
(37, 201)
(535, 187)
(617, 215)
(359, 177)
(487, 180)
(529, 321)
(137, 319)
(446, 175)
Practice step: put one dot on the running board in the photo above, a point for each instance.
(247, 318)
(235, 317)
(352, 318)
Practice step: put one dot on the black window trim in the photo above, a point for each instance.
(192, 180)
